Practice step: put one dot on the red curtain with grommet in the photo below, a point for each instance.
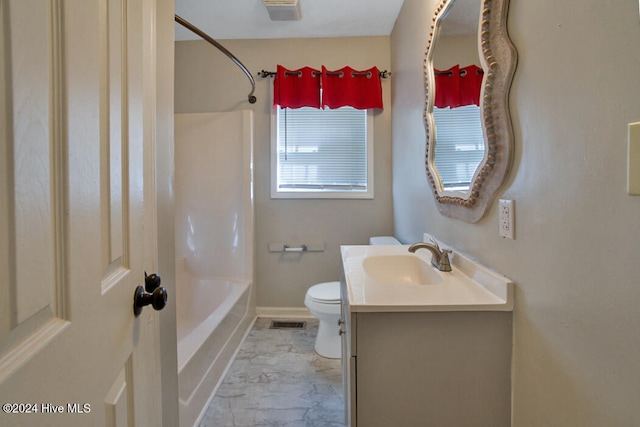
(347, 87)
(297, 88)
(458, 87)
(470, 85)
(447, 87)
(307, 87)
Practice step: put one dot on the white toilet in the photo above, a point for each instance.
(323, 302)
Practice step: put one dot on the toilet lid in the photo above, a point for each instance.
(325, 292)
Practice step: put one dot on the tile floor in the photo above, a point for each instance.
(277, 379)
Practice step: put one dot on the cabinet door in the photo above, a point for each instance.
(433, 369)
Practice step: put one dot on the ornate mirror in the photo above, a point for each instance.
(469, 66)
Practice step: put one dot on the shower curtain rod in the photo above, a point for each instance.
(198, 31)
(383, 74)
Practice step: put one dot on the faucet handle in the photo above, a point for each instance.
(445, 264)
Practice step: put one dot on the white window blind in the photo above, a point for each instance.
(322, 151)
(459, 145)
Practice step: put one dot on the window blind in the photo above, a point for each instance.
(459, 147)
(321, 149)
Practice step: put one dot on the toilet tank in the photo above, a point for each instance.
(383, 240)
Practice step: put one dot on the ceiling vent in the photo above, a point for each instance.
(283, 10)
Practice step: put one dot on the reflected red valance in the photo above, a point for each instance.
(307, 87)
(297, 88)
(447, 87)
(457, 87)
(352, 88)
(470, 85)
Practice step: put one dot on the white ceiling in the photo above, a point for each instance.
(249, 19)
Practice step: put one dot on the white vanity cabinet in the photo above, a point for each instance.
(425, 367)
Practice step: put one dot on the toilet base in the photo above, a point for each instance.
(328, 340)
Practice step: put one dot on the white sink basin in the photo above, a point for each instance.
(400, 270)
(391, 279)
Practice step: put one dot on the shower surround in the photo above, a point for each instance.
(214, 249)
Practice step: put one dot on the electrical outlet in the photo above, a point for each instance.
(506, 217)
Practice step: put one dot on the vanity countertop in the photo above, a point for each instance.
(468, 287)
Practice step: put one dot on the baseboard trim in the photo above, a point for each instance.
(283, 312)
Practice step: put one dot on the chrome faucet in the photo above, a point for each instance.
(439, 258)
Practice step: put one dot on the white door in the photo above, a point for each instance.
(75, 124)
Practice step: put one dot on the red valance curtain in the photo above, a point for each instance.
(297, 88)
(348, 87)
(307, 87)
(457, 87)
(470, 85)
(447, 87)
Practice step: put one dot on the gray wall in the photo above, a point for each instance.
(207, 81)
(575, 260)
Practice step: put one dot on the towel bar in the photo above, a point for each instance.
(300, 248)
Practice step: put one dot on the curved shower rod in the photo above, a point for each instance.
(198, 31)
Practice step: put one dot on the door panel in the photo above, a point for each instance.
(72, 213)
(32, 201)
(114, 160)
(118, 402)
(32, 217)
(114, 142)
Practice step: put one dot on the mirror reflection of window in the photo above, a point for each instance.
(460, 145)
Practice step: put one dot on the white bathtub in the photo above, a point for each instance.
(214, 249)
(212, 319)
(201, 307)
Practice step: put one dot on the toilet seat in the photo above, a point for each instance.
(325, 293)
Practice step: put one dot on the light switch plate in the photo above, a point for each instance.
(633, 159)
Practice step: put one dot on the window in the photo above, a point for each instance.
(459, 145)
(321, 153)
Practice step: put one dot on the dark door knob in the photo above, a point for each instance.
(151, 282)
(154, 295)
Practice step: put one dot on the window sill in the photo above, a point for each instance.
(321, 195)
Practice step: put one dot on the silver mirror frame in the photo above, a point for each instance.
(498, 57)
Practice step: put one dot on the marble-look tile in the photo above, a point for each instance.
(277, 379)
